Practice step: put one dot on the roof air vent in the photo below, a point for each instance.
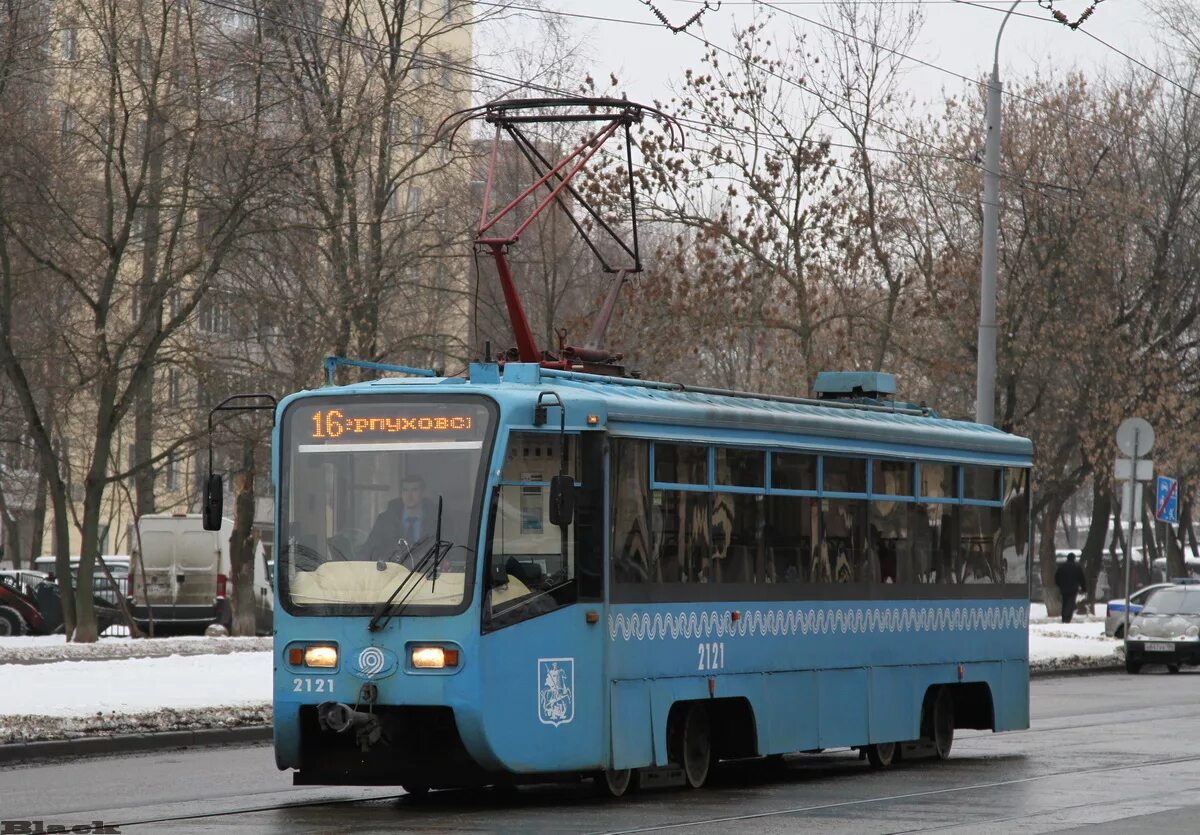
(855, 385)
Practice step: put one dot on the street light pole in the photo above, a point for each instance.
(985, 379)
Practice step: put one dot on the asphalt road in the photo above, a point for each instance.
(1107, 753)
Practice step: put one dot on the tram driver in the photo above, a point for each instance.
(405, 528)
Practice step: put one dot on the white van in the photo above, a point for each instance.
(187, 582)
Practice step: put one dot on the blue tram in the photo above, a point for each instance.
(530, 573)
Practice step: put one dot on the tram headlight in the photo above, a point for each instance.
(320, 656)
(434, 658)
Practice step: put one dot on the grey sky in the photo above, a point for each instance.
(957, 37)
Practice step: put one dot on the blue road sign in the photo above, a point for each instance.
(1166, 506)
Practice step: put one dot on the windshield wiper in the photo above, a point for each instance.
(435, 554)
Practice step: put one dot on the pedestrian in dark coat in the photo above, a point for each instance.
(1070, 580)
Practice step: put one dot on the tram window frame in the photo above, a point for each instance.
(955, 481)
(723, 454)
(657, 482)
(914, 561)
(968, 485)
(774, 488)
(824, 475)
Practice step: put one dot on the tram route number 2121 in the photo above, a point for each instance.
(711, 655)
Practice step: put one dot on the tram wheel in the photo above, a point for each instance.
(881, 754)
(696, 746)
(943, 723)
(616, 783)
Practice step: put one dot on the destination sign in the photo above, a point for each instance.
(368, 422)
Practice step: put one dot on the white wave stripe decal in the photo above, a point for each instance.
(643, 626)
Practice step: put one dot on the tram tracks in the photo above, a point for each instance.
(864, 801)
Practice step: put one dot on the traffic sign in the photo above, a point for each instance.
(1135, 437)
(1131, 500)
(1123, 469)
(1166, 506)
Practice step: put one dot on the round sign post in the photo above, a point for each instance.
(1135, 438)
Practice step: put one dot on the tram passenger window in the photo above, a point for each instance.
(1014, 524)
(735, 537)
(680, 463)
(842, 556)
(633, 538)
(845, 475)
(891, 478)
(934, 538)
(980, 556)
(684, 543)
(788, 538)
(793, 471)
(890, 548)
(740, 467)
(981, 483)
(937, 481)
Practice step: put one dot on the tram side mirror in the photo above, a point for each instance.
(214, 497)
(562, 500)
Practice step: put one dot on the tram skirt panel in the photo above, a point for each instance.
(842, 707)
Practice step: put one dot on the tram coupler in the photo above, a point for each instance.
(339, 718)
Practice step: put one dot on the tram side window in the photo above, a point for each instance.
(845, 475)
(740, 467)
(633, 536)
(891, 551)
(1014, 524)
(981, 483)
(934, 533)
(683, 537)
(547, 566)
(788, 536)
(736, 524)
(980, 557)
(680, 463)
(842, 556)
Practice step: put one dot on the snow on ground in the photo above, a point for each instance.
(135, 685)
(32, 649)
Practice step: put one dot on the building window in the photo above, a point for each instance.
(215, 316)
(172, 473)
(174, 386)
(70, 44)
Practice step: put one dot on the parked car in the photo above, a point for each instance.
(118, 566)
(1166, 631)
(1114, 614)
(32, 604)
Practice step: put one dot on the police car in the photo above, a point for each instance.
(1114, 613)
(1166, 631)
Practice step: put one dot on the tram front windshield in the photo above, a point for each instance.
(370, 487)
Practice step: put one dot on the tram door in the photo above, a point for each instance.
(543, 619)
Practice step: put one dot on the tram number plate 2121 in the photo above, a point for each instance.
(711, 655)
(312, 685)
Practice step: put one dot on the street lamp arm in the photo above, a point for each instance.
(1003, 23)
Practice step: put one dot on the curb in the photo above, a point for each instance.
(1068, 672)
(19, 752)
